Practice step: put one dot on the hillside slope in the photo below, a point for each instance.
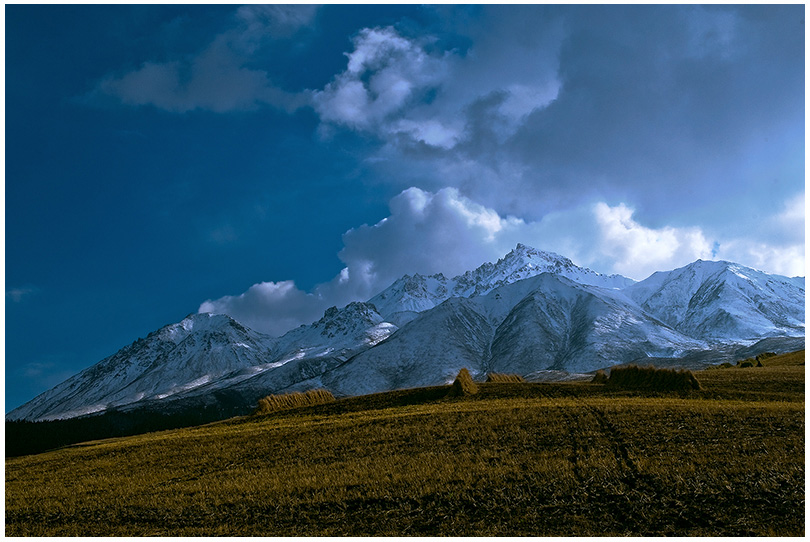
(513, 460)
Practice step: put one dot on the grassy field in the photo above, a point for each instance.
(513, 459)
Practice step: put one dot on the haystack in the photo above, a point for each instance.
(463, 385)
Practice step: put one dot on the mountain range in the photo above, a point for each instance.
(531, 313)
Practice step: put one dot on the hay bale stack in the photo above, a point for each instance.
(650, 378)
(504, 378)
(463, 385)
(273, 403)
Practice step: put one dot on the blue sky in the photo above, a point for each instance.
(272, 161)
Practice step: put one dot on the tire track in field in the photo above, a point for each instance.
(590, 497)
(632, 476)
(621, 452)
(676, 515)
(576, 448)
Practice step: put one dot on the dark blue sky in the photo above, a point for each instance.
(162, 160)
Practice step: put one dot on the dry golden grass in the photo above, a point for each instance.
(513, 459)
(782, 360)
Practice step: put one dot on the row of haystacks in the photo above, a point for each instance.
(630, 378)
(272, 403)
(633, 377)
(463, 385)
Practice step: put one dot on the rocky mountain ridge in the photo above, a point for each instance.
(529, 311)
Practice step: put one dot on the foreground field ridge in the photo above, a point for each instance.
(511, 459)
(531, 313)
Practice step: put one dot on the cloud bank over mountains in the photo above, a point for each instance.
(446, 232)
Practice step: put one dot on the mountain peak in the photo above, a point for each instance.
(198, 322)
(417, 293)
(354, 314)
(530, 256)
(720, 299)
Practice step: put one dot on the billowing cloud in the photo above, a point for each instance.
(271, 307)
(386, 75)
(446, 232)
(638, 251)
(428, 233)
(778, 244)
(562, 106)
(408, 91)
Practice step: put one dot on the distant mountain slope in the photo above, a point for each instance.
(723, 301)
(173, 359)
(429, 350)
(543, 322)
(201, 353)
(564, 325)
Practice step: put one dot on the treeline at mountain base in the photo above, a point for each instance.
(24, 437)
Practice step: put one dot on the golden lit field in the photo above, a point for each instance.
(514, 459)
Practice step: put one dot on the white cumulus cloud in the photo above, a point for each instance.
(271, 307)
(639, 251)
(777, 245)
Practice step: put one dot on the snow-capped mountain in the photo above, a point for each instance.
(723, 301)
(357, 325)
(202, 352)
(418, 293)
(529, 312)
(171, 360)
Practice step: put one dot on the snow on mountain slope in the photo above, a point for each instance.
(176, 358)
(430, 350)
(417, 293)
(524, 262)
(205, 352)
(545, 322)
(309, 351)
(723, 301)
(564, 325)
(357, 325)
